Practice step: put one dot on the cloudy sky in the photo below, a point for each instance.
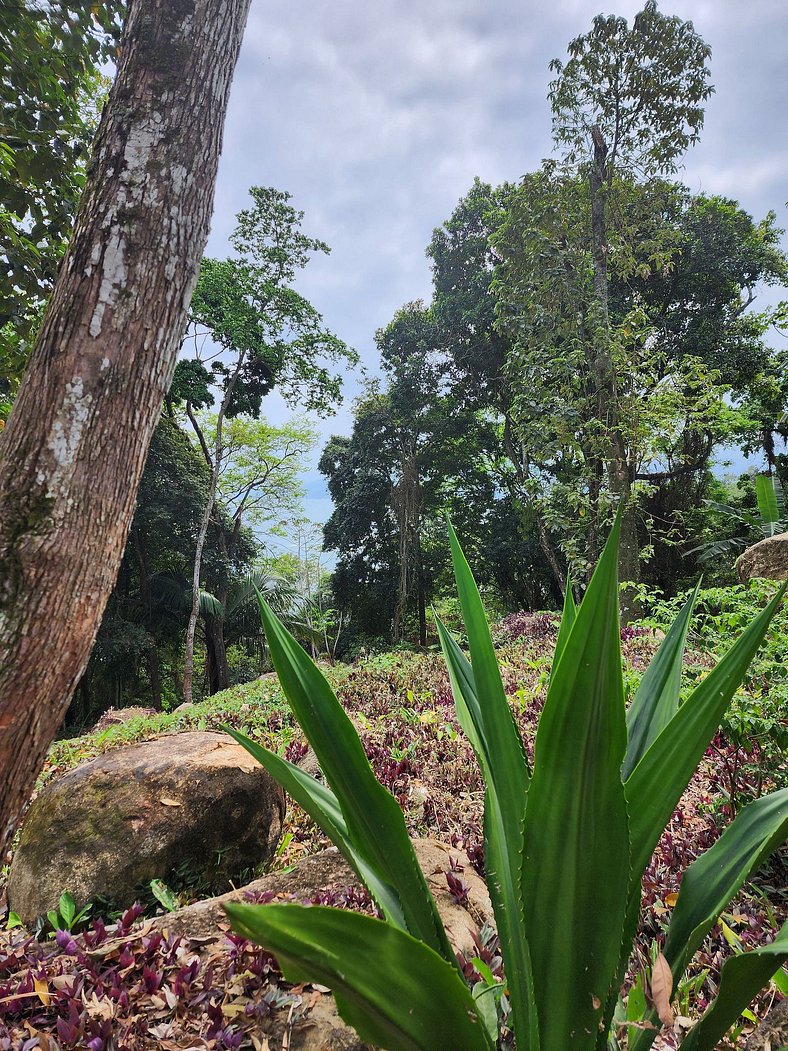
(377, 116)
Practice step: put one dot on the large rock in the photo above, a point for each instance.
(769, 559)
(772, 1034)
(329, 870)
(196, 801)
(316, 1025)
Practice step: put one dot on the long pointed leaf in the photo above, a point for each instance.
(500, 730)
(503, 842)
(322, 806)
(768, 506)
(717, 875)
(714, 878)
(742, 979)
(575, 875)
(502, 757)
(374, 819)
(395, 991)
(657, 698)
(657, 782)
(568, 616)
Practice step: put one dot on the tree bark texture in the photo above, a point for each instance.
(74, 448)
(216, 655)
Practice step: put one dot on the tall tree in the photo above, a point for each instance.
(628, 101)
(258, 484)
(259, 332)
(465, 265)
(687, 346)
(74, 448)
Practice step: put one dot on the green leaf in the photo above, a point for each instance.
(742, 979)
(575, 874)
(484, 1002)
(493, 707)
(717, 875)
(636, 1001)
(657, 698)
(567, 623)
(503, 838)
(322, 806)
(394, 990)
(165, 895)
(484, 714)
(374, 820)
(68, 908)
(714, 878)
(768, 506)
(657, 782)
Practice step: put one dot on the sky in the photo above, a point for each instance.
(376, 117)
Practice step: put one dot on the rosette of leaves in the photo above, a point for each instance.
(567, 842)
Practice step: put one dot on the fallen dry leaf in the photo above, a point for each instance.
(169, 802)
(661, 989)
(43, 991)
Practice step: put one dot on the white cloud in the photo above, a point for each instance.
(377, 117)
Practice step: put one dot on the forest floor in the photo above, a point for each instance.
(59, 994)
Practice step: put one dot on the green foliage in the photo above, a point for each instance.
(50, 91)
(67, 917)
(769, 521)
(566, 843)
(643, 86)
(270, 334)
(137, 654)
(754, 724)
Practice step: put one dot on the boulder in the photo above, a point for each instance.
(768, 558)
(772, 1033)
(316, 1025)
(119, 716)
(195, 801)
(328, 870)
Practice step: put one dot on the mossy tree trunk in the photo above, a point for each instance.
(74, 448)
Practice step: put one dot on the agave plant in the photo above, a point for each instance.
(566, 844)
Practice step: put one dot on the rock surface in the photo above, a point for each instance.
(195, 800)
(772, 1034)
(328, 869)
(768, 558)
(119, 716)
(316, 1026)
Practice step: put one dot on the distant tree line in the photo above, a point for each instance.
(593, 339)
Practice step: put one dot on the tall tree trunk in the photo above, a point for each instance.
(216, 655)
(154, 674)
(421, 591)
(618, 469)
(215, 466)
(74, 448)
(523, 497)
(152, 657)
(194, 612)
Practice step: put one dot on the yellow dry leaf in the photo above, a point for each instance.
(43, 991)
(169, 802)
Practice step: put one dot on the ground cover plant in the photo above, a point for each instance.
(567, 840)
(401, 704)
